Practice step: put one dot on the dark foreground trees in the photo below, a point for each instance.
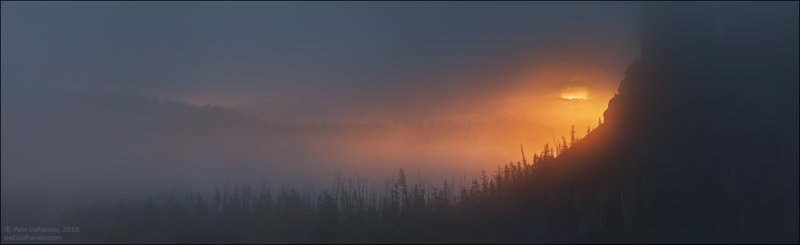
(561, 195)
(520, 202)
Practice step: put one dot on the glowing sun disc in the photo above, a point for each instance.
(574, 94)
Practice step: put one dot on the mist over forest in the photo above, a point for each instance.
(523, 122)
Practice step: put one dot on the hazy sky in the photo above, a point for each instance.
(300, 61)
(502, 67)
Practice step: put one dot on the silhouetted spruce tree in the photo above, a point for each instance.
(547, 152)
(402, 191)
(216, 204)
(572, 138)
(200, 207)
(484, 181)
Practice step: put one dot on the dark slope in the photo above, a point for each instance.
(702, 138)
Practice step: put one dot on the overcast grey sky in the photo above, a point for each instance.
(273, 59)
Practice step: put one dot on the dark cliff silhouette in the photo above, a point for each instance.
(705, 125)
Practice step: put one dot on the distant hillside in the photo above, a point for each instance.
(122, 140)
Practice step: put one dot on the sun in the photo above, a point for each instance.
(574, 94)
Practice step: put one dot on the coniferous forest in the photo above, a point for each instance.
(497, 207)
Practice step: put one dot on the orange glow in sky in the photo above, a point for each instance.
(534, 106)
(575, 94)
(537, 109)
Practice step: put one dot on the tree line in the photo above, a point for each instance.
(518, 202)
